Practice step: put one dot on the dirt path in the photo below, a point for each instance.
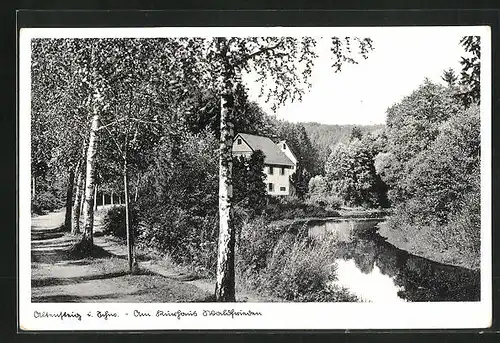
(57, 276)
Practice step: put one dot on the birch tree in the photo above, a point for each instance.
(283, 66)
(56, 136)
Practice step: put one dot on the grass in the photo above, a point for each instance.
(432, 243)
(288, 266)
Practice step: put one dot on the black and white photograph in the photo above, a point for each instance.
(231, 176)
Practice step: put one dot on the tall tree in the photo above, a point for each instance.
(356, 134)
(471, 70)
(285, 62)
(449, 77)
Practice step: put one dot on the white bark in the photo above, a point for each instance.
(130, 234)
(33, 187)
(225, 288)
(95, 198)
(88, 210)
(75, 222)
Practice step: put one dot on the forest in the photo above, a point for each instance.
(151, 121)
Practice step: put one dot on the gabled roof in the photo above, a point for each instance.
(273, 154)
(288, 147)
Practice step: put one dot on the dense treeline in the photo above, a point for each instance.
(326, 137)
(432, 168)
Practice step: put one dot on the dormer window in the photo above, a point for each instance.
(238, 141)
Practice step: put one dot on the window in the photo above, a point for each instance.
(271, 170)
(239, 141)
(270, 187)
(282, 171)
(292, 167)
(284, 146)
(283, 189)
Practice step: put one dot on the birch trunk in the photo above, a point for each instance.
(95, 198)
(112, 196)
(33, 187)
(82, 194)
(103, 200)
(224, 288)
(130, 234)
(69, 199)
(75, 223)
(88, 210)
(136, 191)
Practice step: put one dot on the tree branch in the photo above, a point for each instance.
(144, 121)
(259, 52)
(110, 124)
(114, 141)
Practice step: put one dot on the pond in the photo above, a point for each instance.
(377, 271)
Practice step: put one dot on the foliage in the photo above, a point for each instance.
(448, 170)
(471, 70)
(157, 102)
(432, 166)
(325, 138)
(299, 143)
(449, 77)
(318, 185)
(46, 201)
(412, 125)
(178, 202)
(114, 221)
(255, 245)
(248, 182)
(320, 194)
(351, 174)
(249, 118)
(356, 134)
(293, 208)
(287, 266)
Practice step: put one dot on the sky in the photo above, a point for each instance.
(360, 94)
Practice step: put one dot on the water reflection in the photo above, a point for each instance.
(377, 271)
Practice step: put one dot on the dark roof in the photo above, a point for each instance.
(273, 154)
(288, 147)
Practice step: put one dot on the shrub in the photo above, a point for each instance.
(331, 202)
(282, 264)
(46, 202)
(292, 208)
(255, 245)
(298, 269)
(114, 221)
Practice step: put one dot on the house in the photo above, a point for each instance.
(279, 163)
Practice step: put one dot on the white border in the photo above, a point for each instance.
(274, 315)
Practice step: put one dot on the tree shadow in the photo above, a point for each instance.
(73, 253)
(65, 298)
(44, 235)
(50, 281)
(73, 280)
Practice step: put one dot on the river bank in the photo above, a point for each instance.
(418, 245)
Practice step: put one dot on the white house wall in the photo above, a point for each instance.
(288, 152)
(278, 180)
(241, 149)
